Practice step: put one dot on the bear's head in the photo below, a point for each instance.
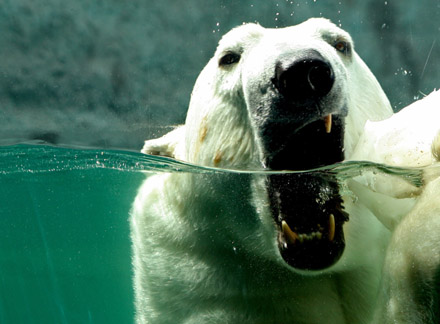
(293, 98)
(281, 98)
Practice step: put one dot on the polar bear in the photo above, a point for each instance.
(263, 247)
(410, 138)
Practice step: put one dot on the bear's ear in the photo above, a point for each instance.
(165, 145)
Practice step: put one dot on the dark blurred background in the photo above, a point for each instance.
(112, 73)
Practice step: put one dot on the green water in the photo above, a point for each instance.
(64, 238)
(64, 234)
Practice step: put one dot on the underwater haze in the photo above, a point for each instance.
(64, 238)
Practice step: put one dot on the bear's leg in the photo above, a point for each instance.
(411, 281)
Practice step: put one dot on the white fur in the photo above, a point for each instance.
(411, 279)
(408, 139)
(412, 267)
(204, 246)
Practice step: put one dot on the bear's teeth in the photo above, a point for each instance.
(290, 235)
(328, 123)
(331, 228)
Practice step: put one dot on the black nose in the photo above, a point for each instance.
(306, 79)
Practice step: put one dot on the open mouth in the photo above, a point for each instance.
(307, 207)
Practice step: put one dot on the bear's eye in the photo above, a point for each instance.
(342, 47)
(228, 59)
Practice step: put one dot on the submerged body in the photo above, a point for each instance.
(212, 257)
(410, 292)
(228, 248)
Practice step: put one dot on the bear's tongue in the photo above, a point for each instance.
(307, 206)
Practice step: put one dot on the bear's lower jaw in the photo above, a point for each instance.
(309, 215)
(312, 255)
(316, 250)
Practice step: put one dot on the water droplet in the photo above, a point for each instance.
(384, 26)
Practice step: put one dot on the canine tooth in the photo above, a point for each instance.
(328, 123)
(288, 233)
(331, 227)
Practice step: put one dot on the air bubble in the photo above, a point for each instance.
(403, 71)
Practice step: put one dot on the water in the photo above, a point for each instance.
(64, 236)
(65, 252)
